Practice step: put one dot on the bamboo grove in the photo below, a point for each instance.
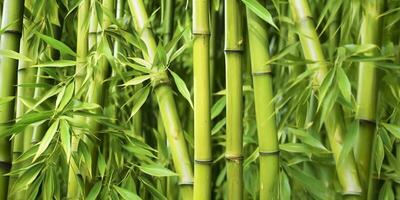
(200, 99)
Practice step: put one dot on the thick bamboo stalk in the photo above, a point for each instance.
(202, 117)
(166, 103)
(367, 92)
(234, 124)
(26, 75)
(12, 19)
(80, 69)
(334, 124)
(264, 106)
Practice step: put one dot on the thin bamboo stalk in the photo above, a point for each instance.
(81, 51)
(264, 106)
(168, 20)
(367, 92)
(334, 124)
(10, 39)
(202, 117)
(166, 103)
(234, 124)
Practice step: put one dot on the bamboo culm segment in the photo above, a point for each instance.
(334, 124)
(264, 106)
(166, 104)
(234, 124)
(367, 92)
(80, 69)
(202, 116)
(26, 75)
(13, 18)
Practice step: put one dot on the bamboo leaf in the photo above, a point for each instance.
(393, 129)
(4, 100)
(180, 84)
(349, 141)
(101, 164)
(140, 98)
(27, 178)
(156, 170)
(14, 55)
(65, 138)
(57, 63)
(47, 138)
(137, 80)
(63, 48)
(344, 84)
(94, 192)
(126, 194)
(260, 11)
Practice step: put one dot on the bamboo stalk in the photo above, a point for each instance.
(166, 103)
(334, 124)
(10, 39)
(168, 20)
(25, 75)
(202, 117)
(234, 124)
(367, 92)
(264, 106)
(80, 69)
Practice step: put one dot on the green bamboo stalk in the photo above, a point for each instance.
(334, 124)
(10, 39)
(234, 124)
(80, 69)
(168, 20)
(25, 75)
(367, 92)
(166, 103)
(202, 117)
(264, 106)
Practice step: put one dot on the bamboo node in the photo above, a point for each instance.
(15, 32)
(203, 162)
(261, 73)
(367, 121)
(5, 165)
(159, 82)
(183, 183)
(234, 158)
(201, 33)
(233, 50)
(269, 153)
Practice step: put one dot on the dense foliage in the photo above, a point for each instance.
(199, 99)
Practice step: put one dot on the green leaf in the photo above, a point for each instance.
(140, 98)
(379, 154)
(47, 138)
(4, 100)
(63, 48)
(14, 55)
(65, 138)
(156, 170)
(27, 178)
(126, 194)
(344, 84)
(67, 96)
(349, 141)
(260, 11)
(218, 107)
(393, 129)
(94, 192)
(182, 87)
(137, 80)
(57, 63)
(101, 164)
